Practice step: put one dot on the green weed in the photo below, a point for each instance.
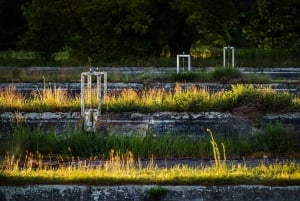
(157, 193)
(188, 77)
(275, 139)
(219, 164)
(225, 74)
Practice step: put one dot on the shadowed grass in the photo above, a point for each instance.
(273, 139)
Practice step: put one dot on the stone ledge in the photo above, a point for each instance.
(158, 122)
(140, 193)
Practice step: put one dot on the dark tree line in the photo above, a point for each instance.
(141, 28)
(12, 23)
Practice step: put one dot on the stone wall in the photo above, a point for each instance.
(158, 123)
(143, 193)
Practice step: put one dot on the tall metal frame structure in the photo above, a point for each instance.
(91, 110)
(183, 55)
(232, 55)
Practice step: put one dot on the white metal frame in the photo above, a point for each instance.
(232, 55)
(183, 56)
(90, 114)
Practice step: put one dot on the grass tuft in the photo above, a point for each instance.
(219, 164)
(157, 192)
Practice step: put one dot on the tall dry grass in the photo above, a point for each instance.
(53, 99)
(47, 99)
(126, 169)
(10, 99)
(199, 99)
(180, 99)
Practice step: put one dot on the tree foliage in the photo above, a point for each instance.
(12, 23)
(110, 29)
(275, 24)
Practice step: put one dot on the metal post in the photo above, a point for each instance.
(177, 64)
(189, 63)
(99, 92)
(82, 93)
(105, 84)
(232, 57)
(89, 90)
(224, 56)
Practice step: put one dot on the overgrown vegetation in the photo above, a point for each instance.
(273, 139)
(157, 192)
(194, 99)
(124, 168)
(143, 33)
(183, 98)
(219, 74)
(40, 100)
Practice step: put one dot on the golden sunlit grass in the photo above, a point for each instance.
(47, 99)
(125, 169)
(180, 99)
(195, 99)
(10, 98)
(296, 102)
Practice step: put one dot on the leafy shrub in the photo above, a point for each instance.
(225, 74)
(188, 77)
(157, 192)
(274, 138)
(275, 101)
